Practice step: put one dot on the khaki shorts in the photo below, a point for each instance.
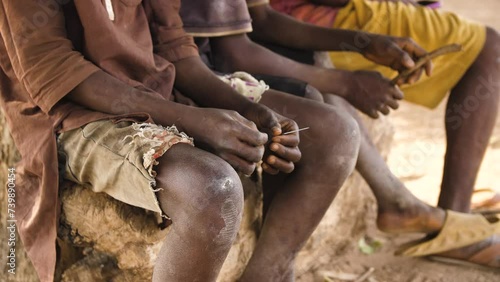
(119, 158)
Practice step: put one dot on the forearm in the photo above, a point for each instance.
(230, 54)
(195, 80)
(103, 93)
(274, 27)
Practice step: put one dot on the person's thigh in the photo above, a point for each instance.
(306, 112)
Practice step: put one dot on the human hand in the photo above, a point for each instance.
(372, 93)
(228, 135)
(283, 149)
(397, 53)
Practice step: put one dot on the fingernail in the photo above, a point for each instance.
(274, 147)
(271, 160)
(276, 131)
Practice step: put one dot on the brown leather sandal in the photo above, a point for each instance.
(459, 230)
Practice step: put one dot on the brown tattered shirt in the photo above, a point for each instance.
(46, 49)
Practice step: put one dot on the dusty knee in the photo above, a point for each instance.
(344, 148)
(218, 210)
(203, 195)
(336, 141)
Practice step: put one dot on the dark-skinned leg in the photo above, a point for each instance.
(329, 151)
(476, 100)
(398, 209)
(471, 113)
(204, 197)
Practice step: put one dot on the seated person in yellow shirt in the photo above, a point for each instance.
(470, 76)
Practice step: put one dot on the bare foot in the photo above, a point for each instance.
(410, 218)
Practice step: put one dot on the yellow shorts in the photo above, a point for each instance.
(430, 28)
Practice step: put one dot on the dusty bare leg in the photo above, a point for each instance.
(329, 150)
(471, 114)
(203, 196)
(398, 209)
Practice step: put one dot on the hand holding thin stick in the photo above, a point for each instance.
(422, 61)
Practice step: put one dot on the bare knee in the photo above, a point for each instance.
(486, 70)
(218, 210)
(313, 94)
(345, 142)
(494, 42)
(493, 38)
(203, 196)
(336, 101)
(490, 54)
(335, 140)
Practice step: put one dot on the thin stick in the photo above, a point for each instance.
(293, 131)
(366, 275)
(422, 61)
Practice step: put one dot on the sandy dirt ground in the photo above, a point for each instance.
(417, 158)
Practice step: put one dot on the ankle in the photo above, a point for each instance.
(420, 218)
